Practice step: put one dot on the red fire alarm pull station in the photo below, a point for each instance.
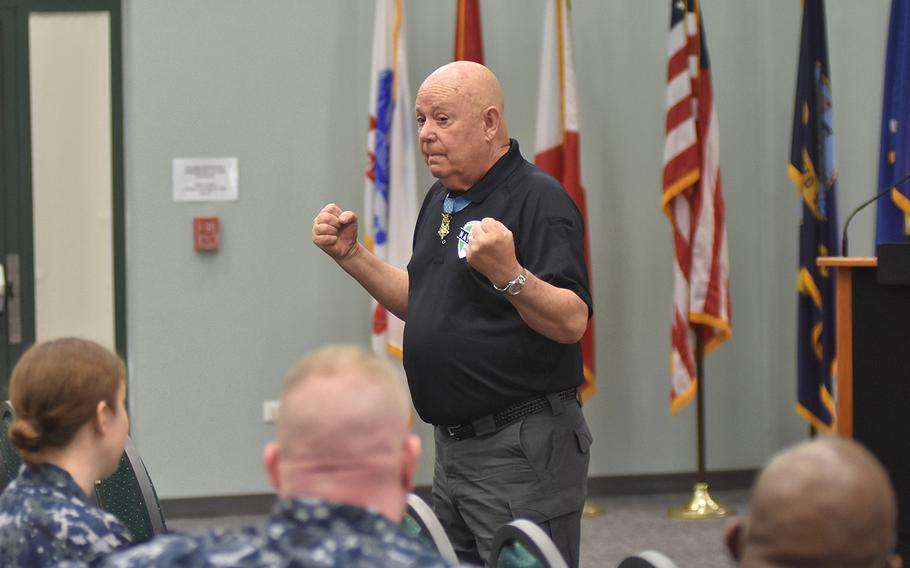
(206, 233)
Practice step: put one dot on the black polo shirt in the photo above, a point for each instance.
(467, 352)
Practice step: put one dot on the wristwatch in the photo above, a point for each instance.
(513, 288)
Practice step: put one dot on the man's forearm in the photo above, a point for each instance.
(386, 283)
(556, 313)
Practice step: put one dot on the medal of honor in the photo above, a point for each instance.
(450, 205)
(444, 226)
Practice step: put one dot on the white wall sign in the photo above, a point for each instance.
(205, 179)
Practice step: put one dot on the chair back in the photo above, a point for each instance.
(420, 520)
(9, 455)
(129, 495)
(647, 559)
(522, 544)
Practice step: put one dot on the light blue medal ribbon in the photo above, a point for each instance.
(450, 205)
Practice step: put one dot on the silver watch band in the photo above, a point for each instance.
(514, 286)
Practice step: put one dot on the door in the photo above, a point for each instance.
(62, 175)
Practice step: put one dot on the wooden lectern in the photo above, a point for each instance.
(873, 367)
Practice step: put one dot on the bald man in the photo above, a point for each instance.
(823, 503)
(495, 299)
(342, 465)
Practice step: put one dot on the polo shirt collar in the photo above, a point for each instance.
(496, 175)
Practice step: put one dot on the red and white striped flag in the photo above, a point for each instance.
(693, 201)
(557, 151)
(468, 32)
(390, 208)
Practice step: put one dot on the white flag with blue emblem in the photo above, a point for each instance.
(390, 209)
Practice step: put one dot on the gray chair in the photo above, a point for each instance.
(9, 455)
(522, 544)
(420, 520)
(129, 495)
(647, 559)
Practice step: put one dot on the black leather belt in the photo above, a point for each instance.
(492, 423)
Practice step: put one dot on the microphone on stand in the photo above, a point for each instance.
(876, 197)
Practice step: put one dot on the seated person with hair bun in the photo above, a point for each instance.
(70, 428)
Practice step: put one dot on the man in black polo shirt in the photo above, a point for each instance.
(495, 300)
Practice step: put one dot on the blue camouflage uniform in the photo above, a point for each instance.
(45, 518)
(300, 532)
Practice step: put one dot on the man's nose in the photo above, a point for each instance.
(426, 133)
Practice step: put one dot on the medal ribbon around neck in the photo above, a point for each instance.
(450, 205)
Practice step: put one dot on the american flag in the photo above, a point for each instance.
(693, 201)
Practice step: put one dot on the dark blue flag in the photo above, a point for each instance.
(813, 172)
(894, 161)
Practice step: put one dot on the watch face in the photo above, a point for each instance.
(515, 286)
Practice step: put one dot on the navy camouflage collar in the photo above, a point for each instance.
(51, 475)
(306, 510)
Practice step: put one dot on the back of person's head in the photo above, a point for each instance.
(827, 502)
(343, 432)
(55, 389)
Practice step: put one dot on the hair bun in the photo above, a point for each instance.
(25, 435)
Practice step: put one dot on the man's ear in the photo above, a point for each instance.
(733, 537)
(894, 561)
(409, 462)
(270, 458)
(492, 120)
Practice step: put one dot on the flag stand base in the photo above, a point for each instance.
(701, 506)
(592, 509)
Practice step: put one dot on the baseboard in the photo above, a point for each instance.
(218, 506)
(600, 486)
(618, 485)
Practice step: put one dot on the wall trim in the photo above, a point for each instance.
(619, 485)
(217, 506)
(600, 486)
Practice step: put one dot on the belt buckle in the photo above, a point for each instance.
(450, 430)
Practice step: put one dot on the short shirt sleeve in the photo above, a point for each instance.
(551, 241)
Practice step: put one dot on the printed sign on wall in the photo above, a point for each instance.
(205, 179)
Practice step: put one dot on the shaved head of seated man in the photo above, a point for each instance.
(344, 434)
(826, 503)
(342, 466)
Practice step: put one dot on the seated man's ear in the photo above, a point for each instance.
(270, 458)
(895, 561)
(409, 462)
(733, 537)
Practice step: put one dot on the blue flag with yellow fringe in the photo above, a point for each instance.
(812, 169)
(893, 220)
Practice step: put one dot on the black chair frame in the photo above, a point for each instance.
(6, 417)
(154, 515)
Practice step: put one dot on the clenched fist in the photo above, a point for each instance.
(491, 251)
(335, 231)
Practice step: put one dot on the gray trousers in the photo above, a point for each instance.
(535, 468)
